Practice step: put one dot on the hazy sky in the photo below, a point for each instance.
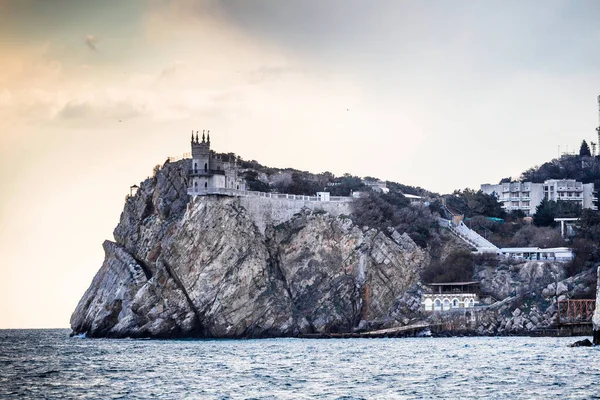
(93, 94)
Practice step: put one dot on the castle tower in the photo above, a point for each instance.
(200, 154)
(200, 174)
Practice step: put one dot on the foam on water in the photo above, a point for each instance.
(47, 363)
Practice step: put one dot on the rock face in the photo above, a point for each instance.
(525, 296)
(206, 267)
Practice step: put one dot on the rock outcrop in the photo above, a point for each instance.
(522, 299)
(205, 267)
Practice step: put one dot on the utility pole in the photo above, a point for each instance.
(598, 128)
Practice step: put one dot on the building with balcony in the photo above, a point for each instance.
(526, 196)
(211, 172)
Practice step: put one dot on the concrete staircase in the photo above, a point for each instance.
(470, 237)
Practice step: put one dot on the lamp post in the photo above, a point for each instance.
(556, 298)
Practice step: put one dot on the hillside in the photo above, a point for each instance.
(230, 267)
(290, 180)
(585, 169)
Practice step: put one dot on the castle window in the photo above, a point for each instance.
(205, 185)
(205, 167)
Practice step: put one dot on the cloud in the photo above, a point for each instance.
(90, 41)
(75, 109)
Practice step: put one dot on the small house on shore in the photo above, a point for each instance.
(451, 296)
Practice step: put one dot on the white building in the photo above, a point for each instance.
(376, 185)
(526, 196)
(450, 296)
(210, 171)
(537, 254)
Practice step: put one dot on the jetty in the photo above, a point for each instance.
(400, 331)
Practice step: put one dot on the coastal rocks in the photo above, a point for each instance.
(582, 343)
(205, 267)
(510, 279)
(124, 301)
(530, 305)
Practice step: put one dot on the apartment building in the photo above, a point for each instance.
(526, 196)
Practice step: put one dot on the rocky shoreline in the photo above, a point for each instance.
(205, 267)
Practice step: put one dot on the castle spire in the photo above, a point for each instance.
(208, 138)
(203, 140)
(196, 136)
(192, 136)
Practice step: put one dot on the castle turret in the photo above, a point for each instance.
(200, 155)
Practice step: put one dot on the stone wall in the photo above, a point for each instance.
(268, 211)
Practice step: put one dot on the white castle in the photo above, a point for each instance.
(212, 173)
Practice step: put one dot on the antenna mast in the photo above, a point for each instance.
(598, 128)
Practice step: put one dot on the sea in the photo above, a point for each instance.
(48, 364)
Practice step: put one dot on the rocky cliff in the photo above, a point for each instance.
(206, 267)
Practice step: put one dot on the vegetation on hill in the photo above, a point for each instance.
(392, 210)
(482, 212)
(456, 267)
(471, 203)
(289, 180)
(583, 168)
(548, 210)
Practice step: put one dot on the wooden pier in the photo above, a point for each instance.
(400, 331)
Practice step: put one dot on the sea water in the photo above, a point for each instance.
(48, 364)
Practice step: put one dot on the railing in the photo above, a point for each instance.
(182, 157)
(474, 237)
(250, 193)
(575, 311)
(193, 172)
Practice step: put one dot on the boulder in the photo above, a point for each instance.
(582, 343)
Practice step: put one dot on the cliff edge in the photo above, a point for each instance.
(207, 267)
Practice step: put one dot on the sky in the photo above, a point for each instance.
(438, 94)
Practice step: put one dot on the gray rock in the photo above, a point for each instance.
(561, 288)
(582, 343)
(203, 268)
(529, 326)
